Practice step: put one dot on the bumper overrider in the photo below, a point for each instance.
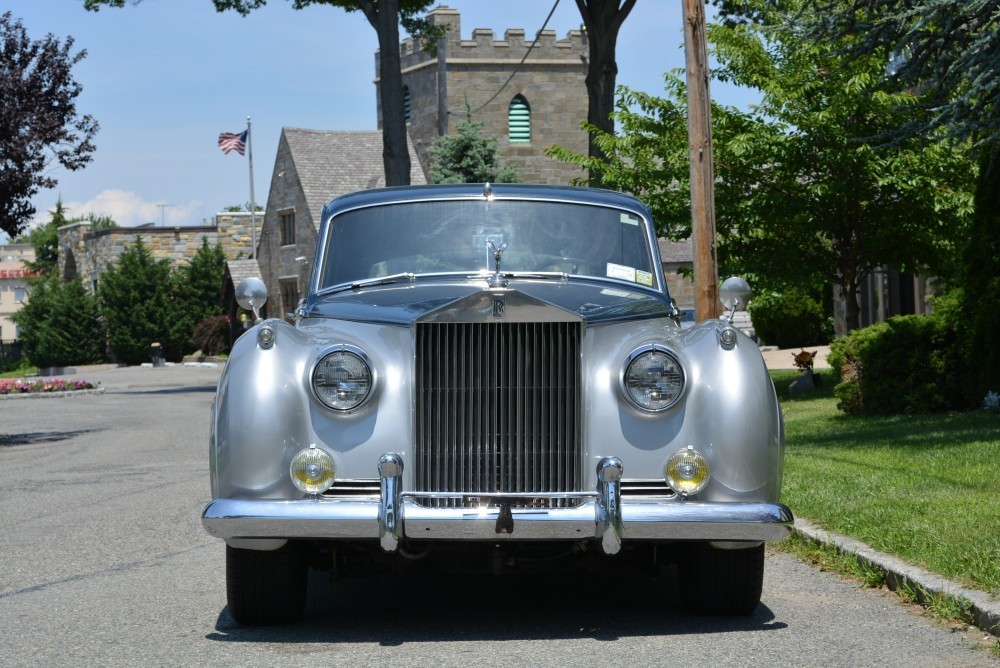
(601, 515)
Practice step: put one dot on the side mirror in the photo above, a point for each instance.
(251, 294)
(734, 293)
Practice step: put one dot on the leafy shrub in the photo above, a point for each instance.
(211, 335)
(908, 364)
(790, 319)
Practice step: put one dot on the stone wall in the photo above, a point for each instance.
(87, 253)
(552, 80)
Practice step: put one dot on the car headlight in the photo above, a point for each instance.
(312, 470)
(343, 379)
(686, 471)
(652, 378)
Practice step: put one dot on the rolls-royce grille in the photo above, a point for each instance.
(497, 410)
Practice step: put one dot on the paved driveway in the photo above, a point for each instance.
(103, 562)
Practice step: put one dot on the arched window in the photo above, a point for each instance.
(519, 120)
(69, 269)
(406, 104)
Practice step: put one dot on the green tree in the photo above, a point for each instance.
(949, 51)
(385, 16)
(468, 157)
(804, 196)
(140, 306)
(39, 125)
(201, 285)
(45, 240)
(60, 324)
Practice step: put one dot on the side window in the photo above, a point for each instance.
(519, 120)
(286, 222)
(289, 294)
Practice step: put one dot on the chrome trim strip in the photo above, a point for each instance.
(324, 518)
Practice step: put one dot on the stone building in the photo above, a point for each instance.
(542, 104)
(86, 253)
(311, 168)
(13, 288)
(677, 255)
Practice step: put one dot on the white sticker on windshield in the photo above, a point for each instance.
(629, 219)
(621, 271)
(643, 277)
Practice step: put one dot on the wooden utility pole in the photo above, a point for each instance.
(706, 275)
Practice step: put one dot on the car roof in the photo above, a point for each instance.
(497, 191)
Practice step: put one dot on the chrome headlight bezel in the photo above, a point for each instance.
(626, 380)
(354, 355)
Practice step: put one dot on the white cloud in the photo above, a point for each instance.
(129, 209)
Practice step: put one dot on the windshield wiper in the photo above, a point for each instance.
(368, 282)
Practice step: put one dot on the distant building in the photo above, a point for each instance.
(86, 253)
(529, 106)
(13, 288)
(311, 168)
(678, 255)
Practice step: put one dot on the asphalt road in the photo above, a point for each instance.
(103, 562)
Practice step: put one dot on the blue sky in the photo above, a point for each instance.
(165, 77)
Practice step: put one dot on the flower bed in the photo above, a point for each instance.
(21, 386)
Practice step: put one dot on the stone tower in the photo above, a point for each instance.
(543, 104)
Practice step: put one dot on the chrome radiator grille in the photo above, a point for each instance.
(497, 408)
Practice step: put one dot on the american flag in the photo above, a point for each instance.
(229, 142)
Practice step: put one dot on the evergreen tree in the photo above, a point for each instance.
(45, 240)
(138, 297)
(199, 288)
(468, 157)
(60, 324)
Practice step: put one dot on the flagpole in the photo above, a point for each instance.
(253, 204)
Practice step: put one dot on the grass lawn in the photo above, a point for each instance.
(925, 488)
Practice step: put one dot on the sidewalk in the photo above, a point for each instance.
(782, 359)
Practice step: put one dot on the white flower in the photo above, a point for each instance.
(991, 402)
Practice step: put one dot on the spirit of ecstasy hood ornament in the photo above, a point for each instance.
(496, 280)
(497, 253)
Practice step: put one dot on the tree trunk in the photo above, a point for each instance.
(852, 309)
(979, 282)
(603, 19)
(395, 153)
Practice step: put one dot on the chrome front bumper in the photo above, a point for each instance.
(602, 515)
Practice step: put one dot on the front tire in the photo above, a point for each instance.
(717, 582)
(266, 587)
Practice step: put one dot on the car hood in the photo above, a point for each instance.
(592, 301)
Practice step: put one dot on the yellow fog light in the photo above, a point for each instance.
(312, 471)
(686, 471)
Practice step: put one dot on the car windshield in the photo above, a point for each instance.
(447, 236)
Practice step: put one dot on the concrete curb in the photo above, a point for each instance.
(36, 395)
(985, 610)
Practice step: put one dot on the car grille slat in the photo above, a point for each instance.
(497, 407)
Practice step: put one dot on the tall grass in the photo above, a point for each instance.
(925, 488)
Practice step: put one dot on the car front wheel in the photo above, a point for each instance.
(722, 582)
(266, 587)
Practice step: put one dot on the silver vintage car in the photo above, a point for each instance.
(495, 378)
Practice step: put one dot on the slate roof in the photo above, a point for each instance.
(240, 269)
(331, 163)
(676, 251)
